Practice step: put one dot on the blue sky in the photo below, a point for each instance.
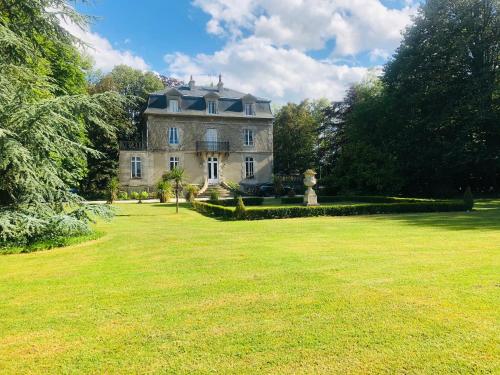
(284, 50)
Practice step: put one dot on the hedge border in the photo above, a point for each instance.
(248, 201)
(225, 213)
(355, 198)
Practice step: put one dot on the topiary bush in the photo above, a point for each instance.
(214, 195)
(143, 195)
(113, 186)
(164, 191)
(134, 195)
(123, 195)
(191, 192)
(240, 210)
(468, 199)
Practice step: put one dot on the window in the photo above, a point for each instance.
(248, 137)
(136, 167)
(173, 105)
(173, 136)
(212, 107)
(250, 109)
(249, 167)
(174, 162)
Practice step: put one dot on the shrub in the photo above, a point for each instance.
(191, 192)
(122, 195)
(214, 195)
(234, 188)
(134, 195)
(240, 210)
(113, 186)
(164, 190)
(468, 199)
(143, 195)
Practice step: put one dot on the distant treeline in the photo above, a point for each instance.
(429, 125)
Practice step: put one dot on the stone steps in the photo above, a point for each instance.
(223, 193)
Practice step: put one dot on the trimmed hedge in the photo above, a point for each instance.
(248, 201)
(213, 210)
(354, 198)
(345, 210)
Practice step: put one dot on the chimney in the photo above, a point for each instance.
(220, 85)
(191, 83)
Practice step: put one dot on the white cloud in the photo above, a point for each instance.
(355, 25)
(101, 51)
(254, 65)
(269, 44)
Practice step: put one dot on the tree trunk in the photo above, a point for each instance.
(176, 198)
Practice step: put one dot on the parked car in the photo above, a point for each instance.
(265, 190)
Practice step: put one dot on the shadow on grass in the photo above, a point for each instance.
(486, 216)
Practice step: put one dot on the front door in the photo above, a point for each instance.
(213, 170)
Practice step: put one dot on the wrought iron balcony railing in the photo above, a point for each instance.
(212, 146)
(132, 145)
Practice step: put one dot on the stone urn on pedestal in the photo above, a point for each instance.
(310, 197)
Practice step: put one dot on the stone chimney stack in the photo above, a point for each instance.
(191, 83)
(220, 85)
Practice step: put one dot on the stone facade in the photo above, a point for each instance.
(193, 151)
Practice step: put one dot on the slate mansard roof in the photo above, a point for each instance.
(193, 101)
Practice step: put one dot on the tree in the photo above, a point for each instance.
(442, 88)
(430, 127)
(176, 175)
(294, 138)
(356, 142)
(41, 127)
(135, 86)
(171, 81)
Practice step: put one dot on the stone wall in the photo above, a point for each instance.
(155, 161)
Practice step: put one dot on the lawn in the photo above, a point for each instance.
(167, 293)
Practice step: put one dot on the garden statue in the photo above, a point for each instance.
(310, 198)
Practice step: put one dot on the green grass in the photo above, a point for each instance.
(166, 293)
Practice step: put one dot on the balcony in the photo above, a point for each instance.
(132, 146)
(212, 146)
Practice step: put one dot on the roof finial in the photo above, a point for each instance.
(191, 83)
(220, 85)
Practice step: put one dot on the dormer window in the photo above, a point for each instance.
(249, 109)
(173, 105)
(212, 107)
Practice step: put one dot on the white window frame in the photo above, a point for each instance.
(249, 109)
(249, 167)
(212, 107)
(136, 167)
(173, 105)
(173, 136)
(173, 162)
(248, 138)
